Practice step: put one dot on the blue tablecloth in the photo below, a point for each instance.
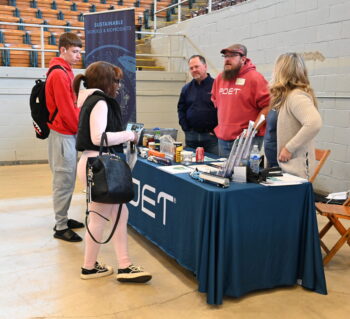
(237, 240)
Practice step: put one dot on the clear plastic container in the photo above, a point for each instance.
(186, 157)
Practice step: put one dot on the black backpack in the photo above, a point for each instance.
(38, 108)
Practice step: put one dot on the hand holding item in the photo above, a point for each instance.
(284, 155)
(137, 134)
(136, 138)
(259, 122)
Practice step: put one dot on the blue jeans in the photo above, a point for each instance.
(225, 146)
(206, 140)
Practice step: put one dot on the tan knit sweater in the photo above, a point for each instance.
(298, 123)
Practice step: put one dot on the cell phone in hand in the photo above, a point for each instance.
(136, 127)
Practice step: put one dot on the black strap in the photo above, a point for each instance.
(88, 198)
(47, 76)
(114, 227)
(104, 139)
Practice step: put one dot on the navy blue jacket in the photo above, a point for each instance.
(195, 109)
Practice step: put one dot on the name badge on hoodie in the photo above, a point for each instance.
(240, 81)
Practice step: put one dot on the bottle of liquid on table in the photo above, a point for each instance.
(157, 136)
(254, 159)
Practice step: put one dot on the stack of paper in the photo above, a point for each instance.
(338, 196)
(286, 179)
(175, 169)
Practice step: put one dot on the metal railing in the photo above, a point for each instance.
(176, 5)
(209, 7)
(42, 49)
(42, 28)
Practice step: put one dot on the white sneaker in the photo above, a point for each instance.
(133, 274)
(100, 270)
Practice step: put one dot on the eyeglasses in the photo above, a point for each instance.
(231, 55)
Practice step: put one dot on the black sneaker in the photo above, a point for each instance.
(72, 224)
(100, 270)
(67, 235)
(133, 274)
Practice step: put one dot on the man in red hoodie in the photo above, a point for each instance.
(61, 103)
(240, 94)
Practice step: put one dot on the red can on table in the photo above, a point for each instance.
(199, 154)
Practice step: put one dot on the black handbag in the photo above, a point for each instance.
(109, 181)
(109, 177)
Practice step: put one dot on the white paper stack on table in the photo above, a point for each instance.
(286, 179)
(338, 196)
(176, 169)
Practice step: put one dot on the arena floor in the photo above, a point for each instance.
(39, 275)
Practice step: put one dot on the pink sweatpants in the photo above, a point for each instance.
(97, 225)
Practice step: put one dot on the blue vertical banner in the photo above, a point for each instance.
(110, 37)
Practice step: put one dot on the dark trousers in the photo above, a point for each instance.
(206, 140)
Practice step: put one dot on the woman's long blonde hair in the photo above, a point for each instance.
(289, 73)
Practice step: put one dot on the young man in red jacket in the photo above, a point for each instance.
(61, 103)
(240, 94)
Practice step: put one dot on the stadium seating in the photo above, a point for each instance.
(16, 57)
(66, 14)
(9, 19)
(12, 36)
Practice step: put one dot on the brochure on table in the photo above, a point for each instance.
(286, 179)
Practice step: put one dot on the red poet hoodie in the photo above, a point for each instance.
(59, 94)
(239, 101)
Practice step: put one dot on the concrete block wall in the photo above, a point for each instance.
(318, 28)
(156, 97)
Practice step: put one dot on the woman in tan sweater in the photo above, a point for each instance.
(297, 120)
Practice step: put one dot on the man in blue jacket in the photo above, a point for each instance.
(197, 114)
